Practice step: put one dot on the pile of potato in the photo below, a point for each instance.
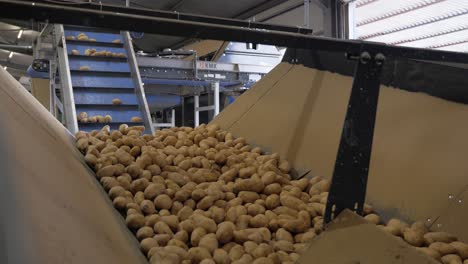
(84, 118)
(199, 195)
(102, 53)
(441, 246)
(83, 37)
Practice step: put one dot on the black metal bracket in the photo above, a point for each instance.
(349, 182)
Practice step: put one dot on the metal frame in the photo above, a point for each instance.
(65, 80)
(214, 107)
(135, 72)
(349, 182)
(162, 125)
(167, 23)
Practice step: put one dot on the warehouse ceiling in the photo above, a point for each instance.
(436, 24)
(15, 52)
(239, 9)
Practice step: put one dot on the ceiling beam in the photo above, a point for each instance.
(18, 67)
(177, 5)
(28, 50)
(193, 26)
(251, 12)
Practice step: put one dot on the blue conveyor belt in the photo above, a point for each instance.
(106, 78)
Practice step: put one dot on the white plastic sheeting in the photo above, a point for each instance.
(438, 24)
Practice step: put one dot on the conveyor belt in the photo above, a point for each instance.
(107, 78)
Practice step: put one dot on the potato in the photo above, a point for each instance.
(150, 220)
(144, 232)
(120, 202)
(274, 188)
(217, 214)
(443, 248)
(187, 225)
(283, 245)
(243, 221)
(209, 242)
(413, 238)
(206, 223)
(262, 250)
(135, 221)
(197, 235)
(225, 232)
(292, 202)
(163, 201)
(451, 259)
(220, 256)
(285, 210)
(182, 253)
(432, 237)
(236, 252)
(108, 182)
(419, 227)
(177, 243)
(247, 172)
(372, 218)
(249, 246)
(248, 197)
(171, 220)
(272, 201)
(307, 237)
(136, 119)
(162, 228)
(259, 220)
(116, 101)
(398, 225)
(148, 243)
(198, 254)
(234, 212)
(153, 190)
(462, 249)
(255, 209)
(139, 185)
(182, 235)
(283, 234)
(164, 212)
(252, 184)
(184, 213)
(206, 202)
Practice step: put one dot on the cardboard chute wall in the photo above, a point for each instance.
(53, 209)
(418, 166)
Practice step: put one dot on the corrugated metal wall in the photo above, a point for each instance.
(437, 24)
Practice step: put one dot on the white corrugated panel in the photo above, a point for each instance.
(441, 24)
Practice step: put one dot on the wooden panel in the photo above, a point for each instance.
(419, 149)
(60, 213)
(355, 241)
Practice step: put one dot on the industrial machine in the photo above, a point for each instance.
(384, 123)
(94, 70)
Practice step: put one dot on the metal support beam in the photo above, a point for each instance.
(140, 91)
(196, 100)
(215, 87)
(214, 107)
(349, 182)
(17, 48)
(307, 13)
(202, 27)
(162, 125)
(191, 18)
(71, 121)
